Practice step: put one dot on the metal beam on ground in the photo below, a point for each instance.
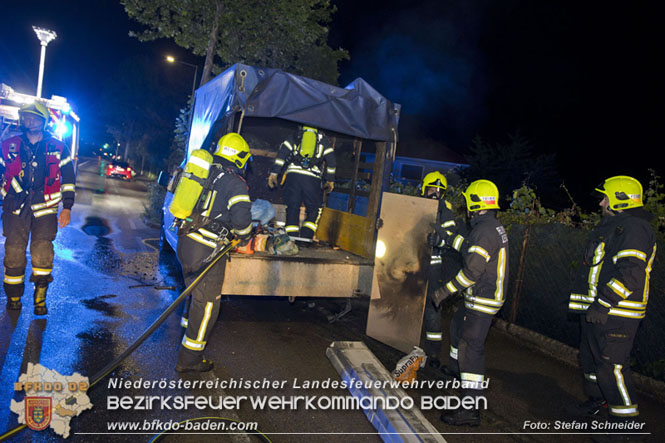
(355, 362)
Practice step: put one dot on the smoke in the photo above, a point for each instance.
(428, 60)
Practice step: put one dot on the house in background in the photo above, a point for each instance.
(409, 171)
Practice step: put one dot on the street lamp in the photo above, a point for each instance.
(171, 59)
(45, 37)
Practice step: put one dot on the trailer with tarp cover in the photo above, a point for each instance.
(368, 251)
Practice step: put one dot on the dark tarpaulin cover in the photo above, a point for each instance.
(357, 110)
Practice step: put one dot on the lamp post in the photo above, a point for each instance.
(171, 59)
(45, 37)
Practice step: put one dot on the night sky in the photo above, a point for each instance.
(581, 79)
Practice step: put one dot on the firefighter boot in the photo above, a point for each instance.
(625, 424)
(201, 365)
(462, 417)
(40, 298)
(433, 362)
(448, 374)
(589, 409)
(14, 303)
(14, 292)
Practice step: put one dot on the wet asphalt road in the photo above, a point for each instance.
(106, 268)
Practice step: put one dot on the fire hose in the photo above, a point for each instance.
(106, 370)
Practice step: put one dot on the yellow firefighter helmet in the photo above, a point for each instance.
(34, 108)
(434, 180)
(481, 195)
(623, 192)
(234, 148)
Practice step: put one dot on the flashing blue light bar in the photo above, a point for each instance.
(62, 128)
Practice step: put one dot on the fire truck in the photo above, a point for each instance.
(64, 124)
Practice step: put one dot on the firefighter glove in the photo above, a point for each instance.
(328, 186)
(433, 239)
(597, 313)
(272, 180)
(438, 295)
(14, 200)
(9, 203)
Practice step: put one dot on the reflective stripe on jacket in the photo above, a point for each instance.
(624, 260)
(585, 285)
(59, 177)
(484, 276)
(226, 204)
(324, 152)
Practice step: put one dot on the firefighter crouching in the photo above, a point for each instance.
(483, 278)
(227, 207)
(37, 174)
(303, 159)
(618, 263)
(444, 263)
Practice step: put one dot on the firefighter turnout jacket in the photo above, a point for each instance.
(618, 264)
(228, 208)
(484, 276)
(44, 171)
(445, 262)
(226, 205)
(289, 157)
(446, 219)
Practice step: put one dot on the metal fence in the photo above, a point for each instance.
(543, 263)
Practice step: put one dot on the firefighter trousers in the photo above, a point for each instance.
(468, 332)
(205, 298)
(298, 189)
(444, 265)
(19, 230)
(605, 356)
(433, 334)
(591, 387)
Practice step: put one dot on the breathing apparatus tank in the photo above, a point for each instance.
(191, 184)
(307, 147)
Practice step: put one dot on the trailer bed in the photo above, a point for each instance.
(317, 271)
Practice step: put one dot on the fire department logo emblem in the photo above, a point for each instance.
(38, 412)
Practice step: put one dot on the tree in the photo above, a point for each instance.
(180, 137)
(286, 34)
(138, 107)
(511, 164)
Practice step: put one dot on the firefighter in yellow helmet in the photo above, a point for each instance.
(444, 262)
(308, 162)
(226, 212)
(612, 301)
(483, 281)
(37, 175)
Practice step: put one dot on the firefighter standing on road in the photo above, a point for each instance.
(619, 260)
(304, 163)
(444, 263)
(483, 278)
(227, 208)
(37, 174)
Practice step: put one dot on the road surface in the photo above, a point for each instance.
(107, 270)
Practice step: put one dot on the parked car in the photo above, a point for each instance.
(119, 169)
